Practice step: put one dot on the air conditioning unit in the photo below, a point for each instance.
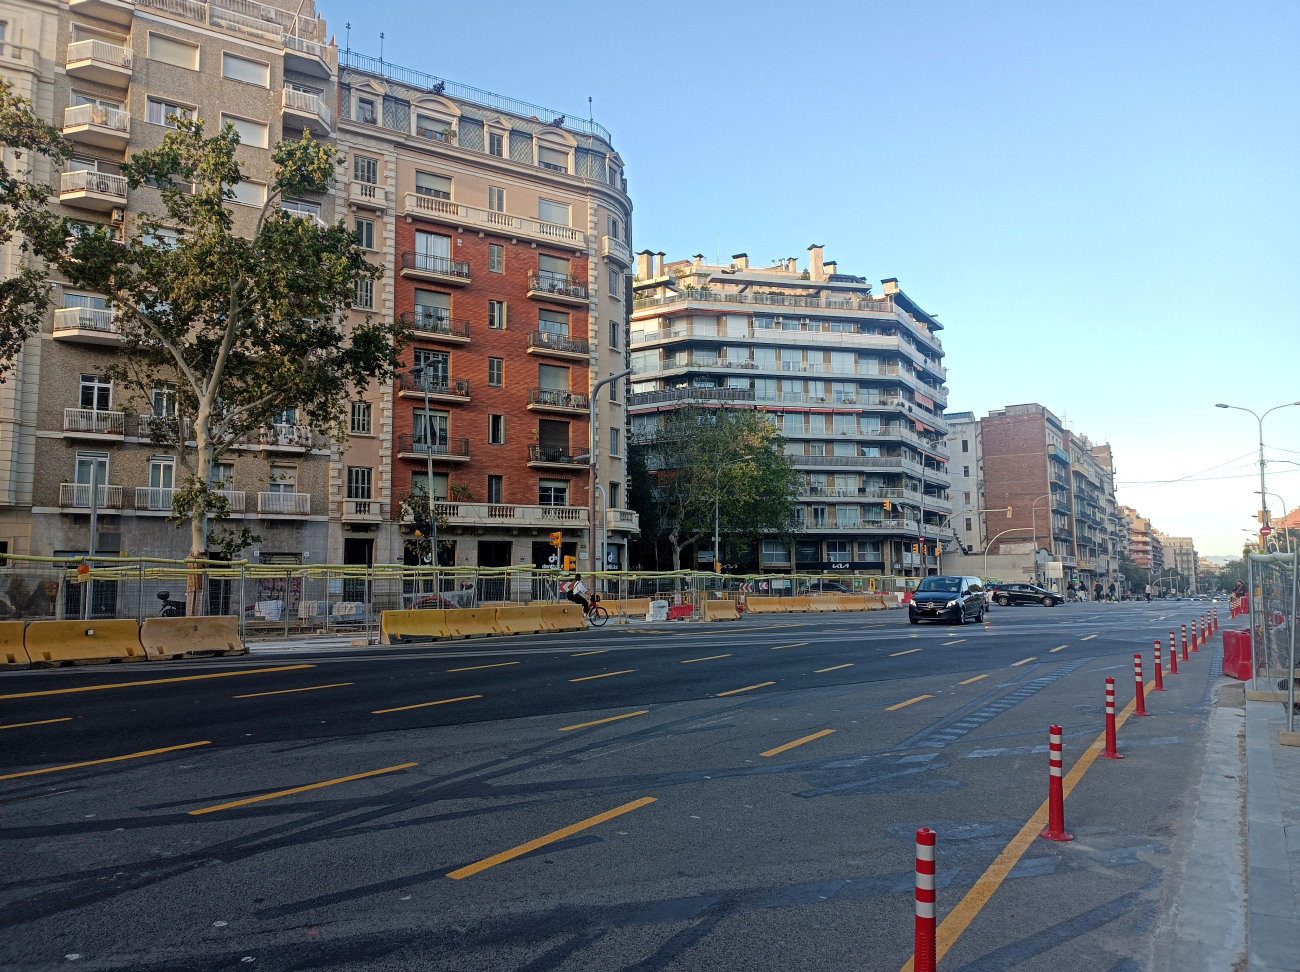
(117, 217)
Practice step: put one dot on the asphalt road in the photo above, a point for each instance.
(737, 795)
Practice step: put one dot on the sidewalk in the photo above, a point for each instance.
(1273, 839)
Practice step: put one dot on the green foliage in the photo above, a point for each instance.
(461, 493)
(21, 600)
(229, 543)
(415, 507)
(644, 553)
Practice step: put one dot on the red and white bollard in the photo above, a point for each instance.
(1194, 648)
(1205, 629)
(1055, 790)
(1111, 752)
(1185, 639)
(1160, 670)
(1140, 698)
(923, 955)
(1173, 656)
(1214, 621)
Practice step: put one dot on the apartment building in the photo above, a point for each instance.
(854, 380)
(1145, 549)
(110, 73)
(506, 228)
(966, 469)
(1180, 554)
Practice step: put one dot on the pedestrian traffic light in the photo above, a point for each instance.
(557, 539)
(570, 563)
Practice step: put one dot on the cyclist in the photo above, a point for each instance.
(576, 593)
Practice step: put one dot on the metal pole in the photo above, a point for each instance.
(86, 609)
(1290, 685)
(1250, 600)
(428, 470)
(591, 451)
(243, 607)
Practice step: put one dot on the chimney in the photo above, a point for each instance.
(792, 265)
(741, 260)
(889, 287)
(831, 268)
(815, 271)
(698, 260)
(644, 262)
(659, 264)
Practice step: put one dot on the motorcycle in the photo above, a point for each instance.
(170, 608)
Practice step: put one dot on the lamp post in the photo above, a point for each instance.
(1033, 519)
(994, 540)
(591, 467)
(423, 374)
(1263, 493)
(1286, 534)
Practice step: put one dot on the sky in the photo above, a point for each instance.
(1099, 200)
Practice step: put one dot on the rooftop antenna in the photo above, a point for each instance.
(381, 47)
(589, 115)
(348, 39)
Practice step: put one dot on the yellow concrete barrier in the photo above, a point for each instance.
(794, 605)
(178, 637)
(824, 602)
(890, 601)
(853, 602)
(631, 607)
(465, 622)
(874, 603)
(721, 611)
(12, 652)
(761, 604)
(520, 620)
(563, 617)
(57, 642)
(397, 627)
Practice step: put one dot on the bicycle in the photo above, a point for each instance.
(596, 615)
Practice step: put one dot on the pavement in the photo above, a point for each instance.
(740, 795)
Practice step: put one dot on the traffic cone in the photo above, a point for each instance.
(1111, 752)
(1055, 792)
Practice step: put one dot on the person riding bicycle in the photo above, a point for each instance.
(576, 592)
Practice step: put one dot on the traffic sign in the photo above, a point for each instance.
(1265, 530)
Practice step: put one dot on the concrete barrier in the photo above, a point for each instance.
(631, 607)
(71, 642)
(12, 652)
(891, 600)
(520, 620)
(875, 603)
(721, 611)
(409, 627)
(563, 617)
(853, 602)
(794, 605)
(824, 602)
(179, 637)
(467, 622)
(761, 604)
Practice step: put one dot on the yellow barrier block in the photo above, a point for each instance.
(759, 604)
(721, 611)
(874, 603)
(631, 607)
(466, 622)
(563, 617)
(853, 602)
(178, 637)
(12, 652)
(57, 642)
(520, 620)
(826, 602)
(397, 627)
(794, 605)
(890, 601)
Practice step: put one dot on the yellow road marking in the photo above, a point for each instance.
(551, 838)
(709, 658)
(154, 681)
(832, 668)
(43, 722)
(111, 759)
(421, 705)
(746, 689)
(891, 708)
(1055, 650)
(797, 742)
(598, 722)
(978, 896)
(1089, 638)
(475, 668)
(975, 679)
(957, 642)
(310, 688)
(908, 652)
(301, 789)
(583, 654)
(1024, 661)
(797, 644)
(588, 678)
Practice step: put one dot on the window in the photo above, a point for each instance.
(614, 439)
(97, 393)
(553, 377)
(615, 284)
(553, 322)
(552, 273)
(496, 430)
(496, 199)
(497, 315)
(300, 207)
(432, 252)
(552, 492)
(428, 184)
(550, 158)
(434, 365)
(968, 524)
(365, 170)
(249, 193)
(88, 462)
(615, 330)
(430, 428)
(242, 69)
(365, 231)
(496, 258)
(965, 445)
(360, 424)
(162, 472)
(286, 416)
(160, 112)
(615, 496)
(170, 50)
(965, 498)
(363, 297)
(549, 211)
(223, 475)
(162, 401)
(249, 132)
(366, 111)
(965, 472)
(495, 491)
(284, 479)
(496, 144)
(359, 482)
(420, 487)
(496, 371)
(775, 552)
(817, 516)
(615, 228)
(613, 391)
(433, 311)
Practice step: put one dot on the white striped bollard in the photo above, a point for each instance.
(1111, 752)
(923, 954)
(1055, 789)
(1140, 699)
(1160, 670)
(1173, 656)
(1185, 639)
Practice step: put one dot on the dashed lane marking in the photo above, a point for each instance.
(832, 668)
(975, 679)
(424, 705)
(309, 688)
(301, 789)
(583, 654)
(154, 681)
(475, 668)
(111, 759)
(919, 698)
(588, 678)
(601, 722)
(691, 661)
(747, 688)
(1024, 661)
(1055, 650)
(797, 644)
(957, 642)
(1089, 638)
(798, 742)
(43, 722)
(908, 652)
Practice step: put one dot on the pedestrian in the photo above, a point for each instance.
(1112, 591)
(1096, 591)
(1069, 591)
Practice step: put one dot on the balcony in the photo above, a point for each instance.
(91, 125)
(88, 423)
(147, 424)
(436, 269)
(87, 325)
(280, 437)
(448, 213)
(561, 288)
(283, 504)
(306, 111)
(627, 521)
(361, 511)
(690, 396)
(76, 496)
(506, 515)
(454, 391)
(551, 458)
(117, 12)
(616, 251)
(92, 190)
(558, 346)
(156, 499)
(431, 326)
(308, 57)
(555, 400)
(445, 450)
(367, 195)
(101, 62)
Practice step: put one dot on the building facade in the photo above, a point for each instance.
(966, 468)
(852, 379)
(1145, 549)
(1179, 553)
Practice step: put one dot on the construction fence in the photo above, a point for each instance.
(1273, 586)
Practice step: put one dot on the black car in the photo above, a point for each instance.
(1008, 594)
(947, 599)
(826, 587)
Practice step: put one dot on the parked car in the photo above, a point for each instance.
(954, 599)
(1008, 594)
(825, 587)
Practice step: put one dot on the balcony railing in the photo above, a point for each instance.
(111, 118)
(616, 250)
(82, 180)
(309, 103)
(368, 194)
(362, 509)
(447, 387)
(305, 46)
(558, 284)
(428, 263)
(157, 498)
(189, 9)
(446, 211)
(285, 436)
(77, 496)
(558, 342)
(666, 396)
(284, 504)
(102, 51)
(628, 520)
(501, 514)
(427, 321)
(558, 399)
(93, 422)
(85, 319)
(537, 453)
(450, 448)
(878, 305)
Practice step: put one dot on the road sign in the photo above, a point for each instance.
(1265, 530)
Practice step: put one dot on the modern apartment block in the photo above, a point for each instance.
(110, 73)
(853, 379)
(506, 228)
(1145, 548)
(1180, 554)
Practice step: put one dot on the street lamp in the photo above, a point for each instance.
(598, 550)
(1033, 518)
(995, 539)
(1286, 533)
(1263, 493)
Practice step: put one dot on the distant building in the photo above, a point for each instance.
(1180, 554)
(967, 481)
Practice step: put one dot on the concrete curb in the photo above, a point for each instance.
(1273, 920)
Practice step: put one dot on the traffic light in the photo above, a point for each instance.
(717, 567)
(888, 506)
(570, 562)
(916, 548)
(557, 539)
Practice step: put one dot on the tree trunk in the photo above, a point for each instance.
(194, 583)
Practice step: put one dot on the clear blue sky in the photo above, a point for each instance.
(1099, 200)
